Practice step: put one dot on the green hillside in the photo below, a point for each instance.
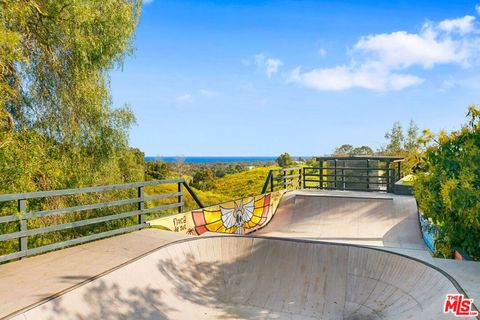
(243, 184)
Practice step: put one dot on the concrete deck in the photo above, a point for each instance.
(30, 280)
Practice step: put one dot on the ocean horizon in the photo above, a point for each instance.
(211, 159)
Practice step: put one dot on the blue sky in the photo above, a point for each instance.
(258, 78)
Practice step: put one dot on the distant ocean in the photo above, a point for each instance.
(211, 159)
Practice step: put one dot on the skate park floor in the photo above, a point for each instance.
(297, 267)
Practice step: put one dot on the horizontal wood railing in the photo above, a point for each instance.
(22, 216)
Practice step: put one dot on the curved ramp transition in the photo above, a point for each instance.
(363, 218)
(257, 278)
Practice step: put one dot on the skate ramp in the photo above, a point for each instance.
(348, 217)
(248, 277)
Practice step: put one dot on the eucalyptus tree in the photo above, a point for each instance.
(55, 103)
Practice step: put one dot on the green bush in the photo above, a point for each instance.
(448, 192)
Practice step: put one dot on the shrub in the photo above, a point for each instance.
(448, 191)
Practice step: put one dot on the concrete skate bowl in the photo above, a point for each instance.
(245, 277)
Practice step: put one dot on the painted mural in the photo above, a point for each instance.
(240, 216)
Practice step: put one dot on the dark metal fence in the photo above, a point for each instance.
(282, 179)
(349, 178)
(22, 216)
(333, 178)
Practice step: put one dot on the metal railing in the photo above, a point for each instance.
(23, 216)
(350, 178)
(283, 179)
(333, 178)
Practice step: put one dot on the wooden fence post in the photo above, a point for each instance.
(271, 183)
(180, 197)
(300, 178)
(22, 209)
(141, 205)
(320, 175)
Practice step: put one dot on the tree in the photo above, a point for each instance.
(344, 150)
(58, 126)
(284, 160)
(411, 143)
(57, 121)
(157, 170)
(312, 162)
(395, 140)
(203, 179)
(363, 151)
(349, 150)
(448, 192)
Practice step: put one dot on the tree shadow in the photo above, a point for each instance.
(105, 300)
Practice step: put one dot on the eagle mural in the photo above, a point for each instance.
(241, 216)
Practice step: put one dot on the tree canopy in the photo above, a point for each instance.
(400, 143)
(448, 192)
(349, 150)
(58, 125)
(284, 160)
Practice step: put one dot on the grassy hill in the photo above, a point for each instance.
(243, 184)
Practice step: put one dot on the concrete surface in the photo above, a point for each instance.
(365, 218)
(385, 221)
(245, 277)
(30, 280)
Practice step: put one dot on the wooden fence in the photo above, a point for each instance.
(23, 215)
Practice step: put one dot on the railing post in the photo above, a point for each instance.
(271, 182)
(304, 177)
(300, 178)
(320, 175)
(387, 166)
(392, 183)
(141, 204)
(335, 175)
(180, 197)
(368, 174)
(284, 179)
(22, 209)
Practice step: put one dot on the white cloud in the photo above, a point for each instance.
(344, 77)
(147, 2)
(208, 93)
(477, 7)
(322, 52)
(379, 62)
(402, 50)
(461, 25)
(448, 83)
(469, 82)
(270, 65)
(184, 98)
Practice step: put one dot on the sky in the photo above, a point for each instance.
(259, 78)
